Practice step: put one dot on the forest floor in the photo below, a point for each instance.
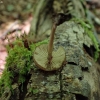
(15, 23)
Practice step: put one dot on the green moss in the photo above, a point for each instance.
(89, 30)
(18, 64)
(33, 46)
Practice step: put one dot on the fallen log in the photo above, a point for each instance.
(77, 79)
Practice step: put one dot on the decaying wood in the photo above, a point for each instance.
(78, 79)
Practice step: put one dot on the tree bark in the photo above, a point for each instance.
(78, 79)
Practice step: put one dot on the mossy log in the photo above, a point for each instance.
(77, 79)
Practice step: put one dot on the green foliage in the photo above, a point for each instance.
(19, 60)
(18, 64)
(5, 81)
(33, 46)
(33, 91)
(89, 30)
(10, 7)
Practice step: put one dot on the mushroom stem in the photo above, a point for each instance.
(50, 46)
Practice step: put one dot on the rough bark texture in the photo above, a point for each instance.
(78, 79)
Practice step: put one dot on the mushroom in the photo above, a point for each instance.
(45, 57)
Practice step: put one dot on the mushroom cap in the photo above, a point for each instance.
(40, 57)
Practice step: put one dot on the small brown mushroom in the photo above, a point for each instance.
(42, 61)
(46, 58)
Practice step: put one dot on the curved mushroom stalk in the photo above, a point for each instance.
(45, 57)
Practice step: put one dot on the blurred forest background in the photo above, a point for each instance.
(16, 17)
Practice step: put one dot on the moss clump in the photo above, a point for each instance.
(18, 65)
